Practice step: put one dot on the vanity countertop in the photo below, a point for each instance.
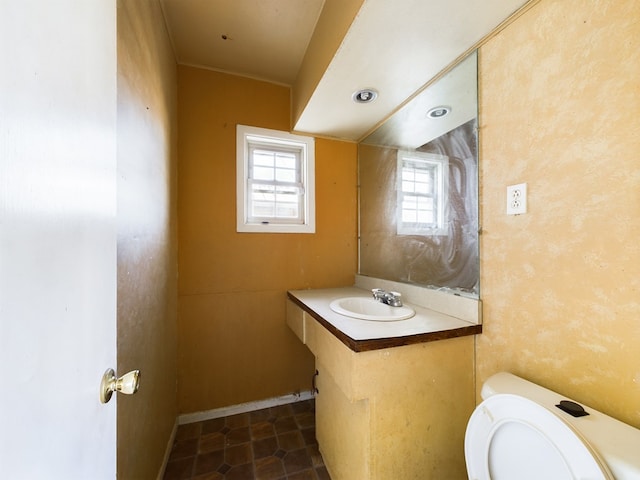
(362, 335)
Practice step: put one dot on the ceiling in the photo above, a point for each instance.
(410, 127)
(261, 39)
(393, 46)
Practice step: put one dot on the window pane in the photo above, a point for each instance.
(408, 216)
(275, 191)
(262, 173)
(425, 203)
(419, 193)
(425, 218)
(422, 188)
(275, 201)
(275, 174)
(263, 158)
(286, 160)
(423, 177)
(408, 174)
(283, 197)
(262, 209)
(285, 175)
(408, 187)
(262, 188)
(287, 211)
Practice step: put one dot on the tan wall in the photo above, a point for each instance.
(147, 235)
(559, 106)
(233, 344)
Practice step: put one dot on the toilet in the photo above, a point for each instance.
(524, 431)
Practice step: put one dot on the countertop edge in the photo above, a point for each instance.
(381, 343)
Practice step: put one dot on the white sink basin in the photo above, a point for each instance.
(366, 308)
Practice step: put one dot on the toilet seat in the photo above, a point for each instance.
(511, 437)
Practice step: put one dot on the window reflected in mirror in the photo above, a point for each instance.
(419, 190)
(422, 193)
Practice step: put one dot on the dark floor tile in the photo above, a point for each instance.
(277, 443)
(184, 448)
(304, 475)
(241, 472)
(269, 468)
(322, 473)
(291, 441)
(262, 430)
(179, 469)
(304, 406)
(209, 462)
(237, 421)
(238, 454)
(188, 430)
(296, 461)
(211, 442)
(305, 419)
(309, 436)
(237, 436)
(315, 456)
(285, 424)
(265, 447)
(213, 425)
(258, 416)
(281, 411)
(209, 476)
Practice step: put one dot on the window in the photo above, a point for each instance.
(275, 181)
(422, 193)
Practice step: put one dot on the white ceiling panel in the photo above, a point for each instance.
(392, 46)
(395, 47)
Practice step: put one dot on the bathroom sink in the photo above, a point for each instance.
(366, 308)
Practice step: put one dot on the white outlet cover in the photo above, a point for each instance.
(517, 199)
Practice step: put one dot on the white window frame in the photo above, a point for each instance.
(247, 138)
(439, 166)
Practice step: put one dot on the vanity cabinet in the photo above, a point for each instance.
(389, 413)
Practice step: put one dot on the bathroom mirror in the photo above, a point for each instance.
(418, 188)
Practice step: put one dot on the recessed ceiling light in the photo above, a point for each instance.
(438, 112)
(366, 95)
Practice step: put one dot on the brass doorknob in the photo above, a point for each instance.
(127, 384)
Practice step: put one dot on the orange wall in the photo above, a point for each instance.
(147, 236)
(559, 106)
(233, 343)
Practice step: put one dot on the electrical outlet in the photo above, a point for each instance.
(517, 199)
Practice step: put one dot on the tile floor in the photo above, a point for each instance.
(277, 443)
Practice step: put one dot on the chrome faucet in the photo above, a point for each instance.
(390, 298)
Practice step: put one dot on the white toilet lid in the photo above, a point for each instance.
(511, 437)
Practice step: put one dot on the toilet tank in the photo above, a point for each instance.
(616, 442)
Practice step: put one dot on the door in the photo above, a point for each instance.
(57, 237)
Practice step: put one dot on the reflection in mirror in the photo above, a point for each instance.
(418, 176)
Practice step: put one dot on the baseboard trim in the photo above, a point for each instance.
(243, 408)
(167, 452)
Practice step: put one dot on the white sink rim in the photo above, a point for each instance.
(365, 308)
